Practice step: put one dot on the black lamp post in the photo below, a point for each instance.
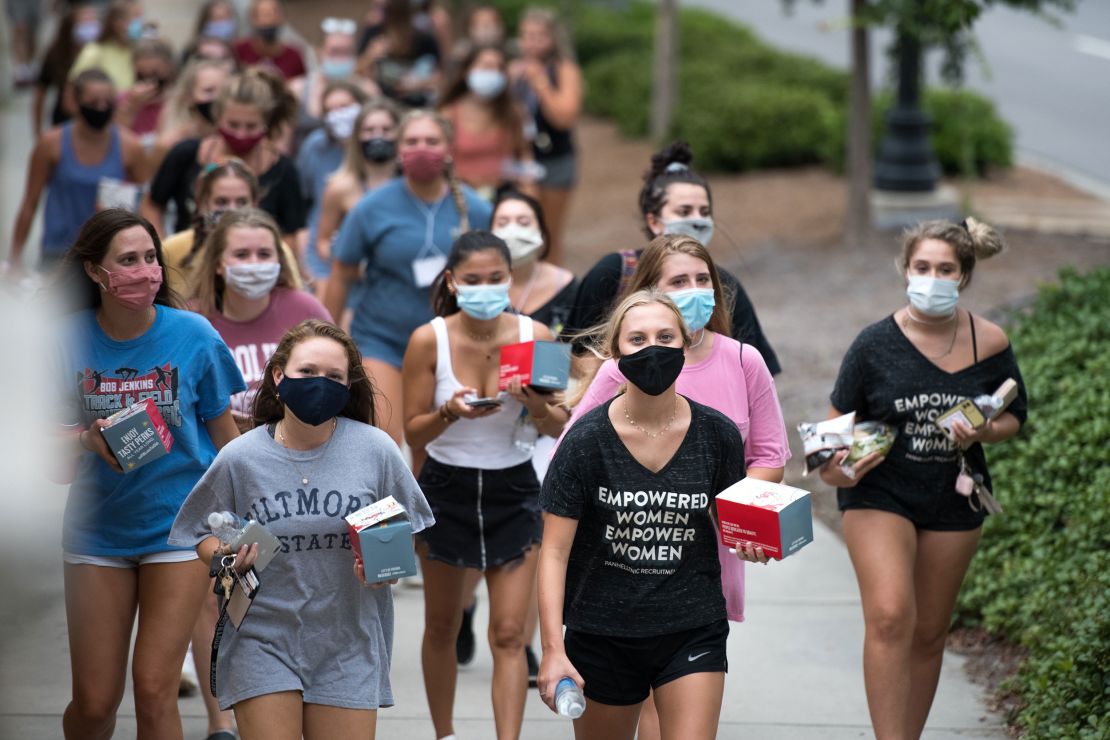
(906, 162)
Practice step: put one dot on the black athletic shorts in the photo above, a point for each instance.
(620, 670)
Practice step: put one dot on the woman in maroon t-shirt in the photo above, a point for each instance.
(250, 293)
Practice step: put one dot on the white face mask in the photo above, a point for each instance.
(525, 242)
(933, 296)
(341, 121)
(486, 83)
(252, 280)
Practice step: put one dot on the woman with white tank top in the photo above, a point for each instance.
(478, 480)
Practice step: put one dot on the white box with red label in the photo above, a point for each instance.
(774, 516)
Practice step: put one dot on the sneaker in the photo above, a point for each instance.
(189, 685)
(533, 666)
(464, 644)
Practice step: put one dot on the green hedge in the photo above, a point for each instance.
(743, 104)
(1042, 574)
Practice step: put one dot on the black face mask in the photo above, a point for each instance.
(268, 34)
(653, 369)
(379, 150)
(96, 117)
(313, 400)
(205, 110)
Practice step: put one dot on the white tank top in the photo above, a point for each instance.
(485, 443)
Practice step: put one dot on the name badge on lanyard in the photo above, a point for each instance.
(430, 261)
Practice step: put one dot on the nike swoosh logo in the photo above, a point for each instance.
(692, 658)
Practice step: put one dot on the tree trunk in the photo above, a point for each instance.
(857, 221)
(664, 88)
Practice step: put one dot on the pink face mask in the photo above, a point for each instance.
(241, 145)
(423, 165)
(134, 287)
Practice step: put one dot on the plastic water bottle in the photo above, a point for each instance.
(226, 525)
(568, 698)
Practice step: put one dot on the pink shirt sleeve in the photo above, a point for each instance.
(603, 387)
(767, 445)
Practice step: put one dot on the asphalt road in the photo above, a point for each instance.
(1050, 82)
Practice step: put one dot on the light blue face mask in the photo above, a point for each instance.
(699, 228)
(222, 29)
(933, 296)
(483, 302)
(135, 29)
(696, 305)
(486, 83)
(337, 69)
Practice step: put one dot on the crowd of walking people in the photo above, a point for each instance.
(309, 257)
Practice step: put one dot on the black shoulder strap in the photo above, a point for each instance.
(974, 343)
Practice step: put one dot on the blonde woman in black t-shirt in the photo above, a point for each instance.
(629, 558)
(910, 534)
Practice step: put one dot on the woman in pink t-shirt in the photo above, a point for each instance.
(249, 291)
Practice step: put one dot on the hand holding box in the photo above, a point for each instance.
(775, 517)
(137, 435)
(543, 365)
(381, 536)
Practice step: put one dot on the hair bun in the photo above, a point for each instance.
(675, 157)
(984, 239)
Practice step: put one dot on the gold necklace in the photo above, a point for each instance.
(281, 438)
(661, 432)
(951, 342)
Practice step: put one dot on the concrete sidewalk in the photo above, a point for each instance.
(795, 665)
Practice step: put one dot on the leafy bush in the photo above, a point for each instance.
(968, 136)
(1042, 574)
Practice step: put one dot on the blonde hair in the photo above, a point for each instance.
(971, 240)
(264, 90)
(448, 132)
(182, 102)
(209, 284)
(354, 161)
(607, 345)
(549, 19)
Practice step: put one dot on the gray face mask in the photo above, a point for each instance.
(699, 228)
(252, 280)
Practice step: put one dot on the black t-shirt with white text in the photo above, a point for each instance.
(644, 559)
(884, 377)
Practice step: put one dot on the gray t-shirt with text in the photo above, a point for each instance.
(313, 627)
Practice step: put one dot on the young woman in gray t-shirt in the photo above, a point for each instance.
(312, 656)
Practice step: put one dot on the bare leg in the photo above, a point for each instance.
(387, 401)
(271, 716)
(510, 588)
(443, 599)
(649, 728)
(327, 723)
(690, 707)
(100, 611)
(607, 722)
(942, 561)
(203, 630)
(883, 548)
(170, 595)
(554, 203)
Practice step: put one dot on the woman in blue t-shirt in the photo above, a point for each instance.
(124, 342)
(403, 231)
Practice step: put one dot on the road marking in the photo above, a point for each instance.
(1096, 47)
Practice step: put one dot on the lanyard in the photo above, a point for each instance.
(430, 212)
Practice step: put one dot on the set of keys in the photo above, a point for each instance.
(970, 485)
(235, 590)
